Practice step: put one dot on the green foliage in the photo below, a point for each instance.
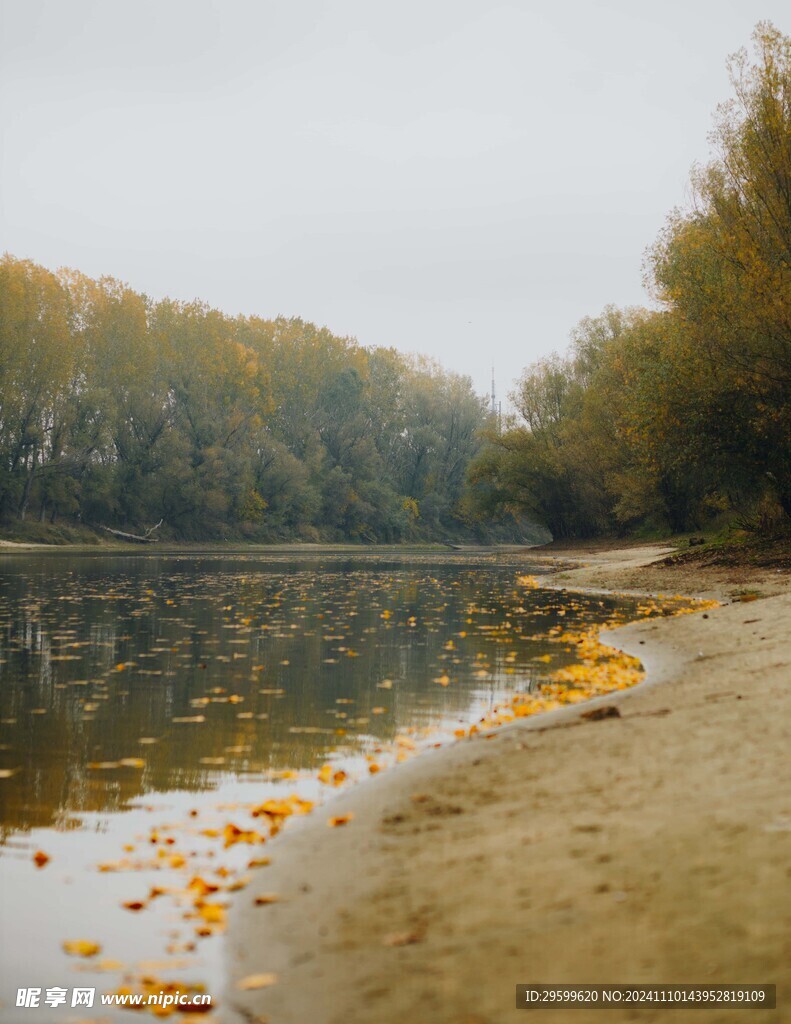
(666, 418)
(118, 411)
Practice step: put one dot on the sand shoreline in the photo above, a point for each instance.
(652, 847)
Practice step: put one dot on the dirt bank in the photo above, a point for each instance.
(650, 847)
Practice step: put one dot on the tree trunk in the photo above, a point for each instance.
(22, 511)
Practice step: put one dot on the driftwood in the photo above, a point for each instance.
(146, 538)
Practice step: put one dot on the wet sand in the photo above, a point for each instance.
(650, 847)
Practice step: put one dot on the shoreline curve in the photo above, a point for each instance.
(646, 847)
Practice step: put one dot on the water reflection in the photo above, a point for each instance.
(191, 667)
(212, 672)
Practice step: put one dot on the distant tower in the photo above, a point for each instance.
(494, 399)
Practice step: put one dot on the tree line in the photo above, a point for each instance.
(119, 411)
(667, 418)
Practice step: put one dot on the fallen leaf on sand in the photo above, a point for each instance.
(41, 858)
(256, 981)
(133, 905)
(265, 898)
(340, 819)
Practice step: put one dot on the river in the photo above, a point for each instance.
(147, 701)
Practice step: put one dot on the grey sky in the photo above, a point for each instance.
(463, 178)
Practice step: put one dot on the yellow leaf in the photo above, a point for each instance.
(81, 947)
(212, 913)
(256, 981)
(200, 886)
(259, 862)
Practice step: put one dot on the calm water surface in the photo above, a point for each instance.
(211, 675)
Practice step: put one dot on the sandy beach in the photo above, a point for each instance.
(649, 847)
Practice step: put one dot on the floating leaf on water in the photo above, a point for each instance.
(259, 862)
(212, 913)
(107, 965)
(40, 858)
(332, 777)
(81, 947)
(232, 834)
(115, 865)
(253, 981)
(340, 819)
(201, 886)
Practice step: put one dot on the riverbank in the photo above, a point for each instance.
(649, 847)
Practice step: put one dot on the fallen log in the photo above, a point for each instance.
(146, 538)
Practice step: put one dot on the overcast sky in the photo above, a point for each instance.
(462, 178)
